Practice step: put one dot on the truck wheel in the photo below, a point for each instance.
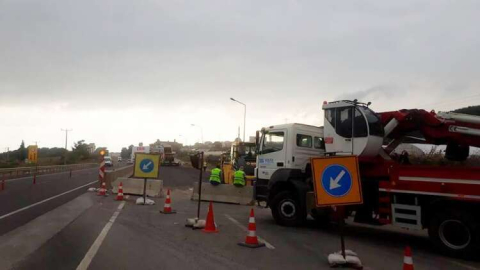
(286, 209)
(455, 233)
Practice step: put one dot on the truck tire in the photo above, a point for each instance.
(455, 233)
(286, 209)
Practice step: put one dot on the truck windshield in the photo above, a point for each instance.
(272, 142)
(374, 124)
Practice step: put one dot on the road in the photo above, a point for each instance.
(94, 232)
(21, 193)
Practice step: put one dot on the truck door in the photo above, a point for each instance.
(273, 153)
(302, 150)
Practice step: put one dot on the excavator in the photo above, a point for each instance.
(444, 199)
(242, 154)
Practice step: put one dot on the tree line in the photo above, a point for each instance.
(50, 156)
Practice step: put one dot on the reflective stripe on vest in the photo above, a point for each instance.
(215, 175)
(239, 178)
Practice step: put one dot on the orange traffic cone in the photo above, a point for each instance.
(252, 241)
(167, 209)
(103, 190)
(407, 259)
(120, 193)
(210, 226)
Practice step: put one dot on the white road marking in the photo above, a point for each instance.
(267, 244)
(466, 266)
(85, 263)
(46, 200)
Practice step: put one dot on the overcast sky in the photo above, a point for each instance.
(121, 72)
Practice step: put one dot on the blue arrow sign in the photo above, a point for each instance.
(146, 165)
(336, 180)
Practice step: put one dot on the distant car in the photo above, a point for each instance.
(108, 161)
(130, 161)
(119, 159)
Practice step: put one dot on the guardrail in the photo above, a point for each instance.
(10, 173)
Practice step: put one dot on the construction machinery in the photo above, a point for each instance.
(443, 199)
(168, 156)
(242, 154)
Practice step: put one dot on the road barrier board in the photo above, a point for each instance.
(146, 165)
(336, 181)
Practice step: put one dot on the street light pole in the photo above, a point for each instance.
(66, 140)
(244, 116)
(201, 130)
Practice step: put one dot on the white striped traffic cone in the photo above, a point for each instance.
(407, 259)
(120, 193)
(103, 190)
(167, 209)
(251, 240)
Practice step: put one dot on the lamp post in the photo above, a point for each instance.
(244, 115)
(201, 130)
(66, 140)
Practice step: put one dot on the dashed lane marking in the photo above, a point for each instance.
(46, 200)
(85, 263)
(267, 244)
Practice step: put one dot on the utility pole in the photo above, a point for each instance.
(66, 140)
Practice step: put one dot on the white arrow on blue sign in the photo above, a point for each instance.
(336, 180)
(146, 165)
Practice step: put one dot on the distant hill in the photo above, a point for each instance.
(473, 110)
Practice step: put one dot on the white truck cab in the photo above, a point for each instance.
(287, 146)
(340, 123)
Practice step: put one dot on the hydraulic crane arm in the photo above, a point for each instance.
(457, 131)
(441, 128)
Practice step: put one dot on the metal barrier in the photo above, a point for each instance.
(10, 173)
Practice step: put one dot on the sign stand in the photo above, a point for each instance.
(145, 192)
(196, 223)
(146, 166)
(337, 183)
(200, 185)
(341, 212)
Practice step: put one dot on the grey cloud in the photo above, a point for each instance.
(88, 51)
(372, 93)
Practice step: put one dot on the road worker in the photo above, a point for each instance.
(215, 176)
(239, 178)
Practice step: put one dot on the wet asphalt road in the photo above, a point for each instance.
(142, 238)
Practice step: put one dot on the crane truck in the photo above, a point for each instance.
(445, 200)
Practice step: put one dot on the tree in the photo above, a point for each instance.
(124, 153)
(130, 150)
(22, 152)
(473, 110)
(79, 151)
(217, 146)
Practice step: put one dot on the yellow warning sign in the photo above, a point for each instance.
(146, 165)
(336, 180)
(32, 153)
